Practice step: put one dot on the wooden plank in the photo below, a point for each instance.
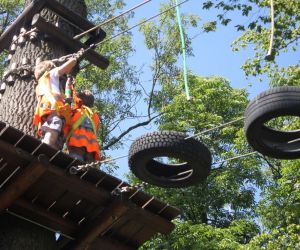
(71, 44)
(13, 156)
(35, 7)
(21, 20)
(64, 205)
(57, 177)
(7, 173)
(74, 18)
(145, 234)
(80, 211)
(44, 217)
(153, 221)
(21, 183)
(29, 143)
(61, 160)
(127, 230)
(110, 244)
(44, 149)
(11, 135)
(111, 214)
(109, 183)
(169, 212)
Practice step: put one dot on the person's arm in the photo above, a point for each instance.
(66, 67)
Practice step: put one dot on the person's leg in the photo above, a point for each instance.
(51, 129)
(89, 157)
(76, 153)
(50, 137)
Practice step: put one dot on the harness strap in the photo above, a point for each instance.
(87, 114)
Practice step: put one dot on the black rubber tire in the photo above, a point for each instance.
(273, 103)
(197, 159)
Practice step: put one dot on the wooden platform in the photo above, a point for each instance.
(87, 209)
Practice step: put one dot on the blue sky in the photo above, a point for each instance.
(213, 56)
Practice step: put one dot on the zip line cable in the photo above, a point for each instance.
(235, 157)
(92, 46)
(183, 51)
(96, 163)
(110, 20)
(214, 128)
(136, 25)
(140, 23)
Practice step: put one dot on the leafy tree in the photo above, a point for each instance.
(228, 196)
(256, 29)
(226, 201)
(9, 10)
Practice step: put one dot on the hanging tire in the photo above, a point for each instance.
(144, 164)
(271, 104)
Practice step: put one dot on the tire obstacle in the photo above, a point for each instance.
(278, 102)
(194, 157)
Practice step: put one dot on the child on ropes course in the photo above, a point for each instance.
(81, 140)
(51, 111)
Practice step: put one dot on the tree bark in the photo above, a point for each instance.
(17, 107)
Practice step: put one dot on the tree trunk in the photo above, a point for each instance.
(17, 107)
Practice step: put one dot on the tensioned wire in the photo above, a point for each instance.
(201, 133)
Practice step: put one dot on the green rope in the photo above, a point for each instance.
(183, 51)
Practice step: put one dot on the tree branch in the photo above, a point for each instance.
(140, 124)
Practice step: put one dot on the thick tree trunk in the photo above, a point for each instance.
(17, 108)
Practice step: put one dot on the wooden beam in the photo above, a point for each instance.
(14, 156)
(21, 183)
(44, 217)
(78, 186)
(71, 44)
(88, 235)
(35, 7)
(75, 19)
(154, 221)
(14, 28)
(110, 244)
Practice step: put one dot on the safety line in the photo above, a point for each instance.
(96, 163)
(214, 163)
(183, 51)
(140, 23)
(92, 46)
(214, 128)
(111, 19)
(38, 224)
(235, 157)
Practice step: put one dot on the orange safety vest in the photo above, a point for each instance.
(80, 136)
(49, 102)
